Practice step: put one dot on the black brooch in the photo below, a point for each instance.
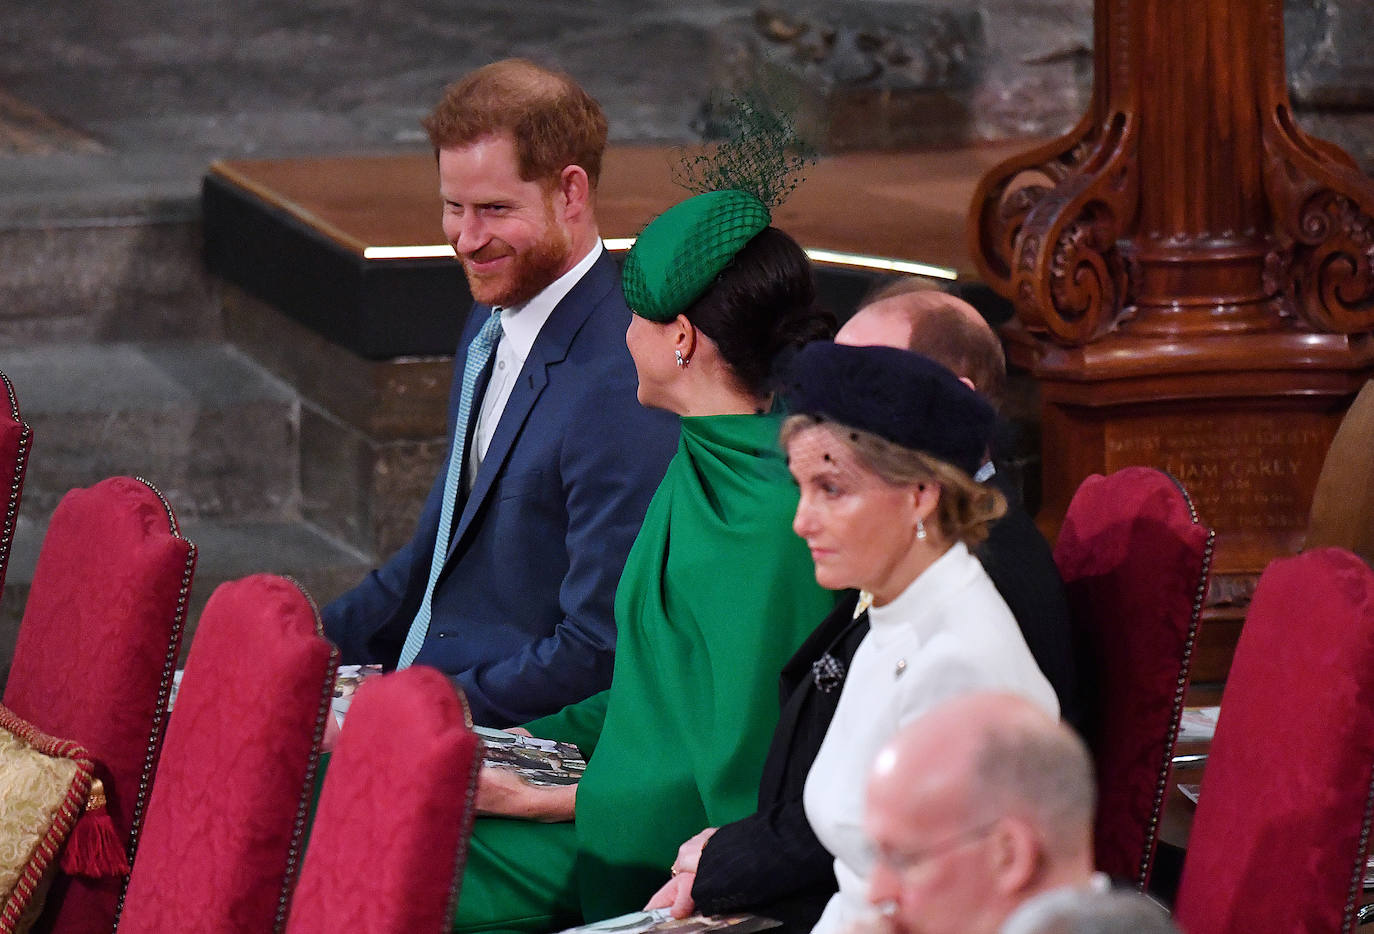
(828, 672)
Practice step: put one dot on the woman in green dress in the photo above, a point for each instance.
(717, 591)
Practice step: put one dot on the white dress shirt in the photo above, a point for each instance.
(520, 325)
(948, 633)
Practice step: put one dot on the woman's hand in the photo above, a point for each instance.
(677, 892)
(676, 895)
(502, 793)
(689, 854)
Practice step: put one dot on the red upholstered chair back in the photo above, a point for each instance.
(97, 648)
(1135, 562)
(390, 833)
(221, 842)
(1281, 831)
(15, 440)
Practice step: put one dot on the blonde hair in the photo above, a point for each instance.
(966, 508)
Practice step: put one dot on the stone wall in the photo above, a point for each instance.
(895, 73)
(1331, 71)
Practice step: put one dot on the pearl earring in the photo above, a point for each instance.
(920, 530)
(681, 360)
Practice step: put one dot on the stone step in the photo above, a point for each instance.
(217, 433)
(115, 271)
(226, 550)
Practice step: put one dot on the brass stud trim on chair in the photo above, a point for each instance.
(325, 709)
(1180, 690)
(17, 481)
(164, 692)
(1356, 889)
(460, 861)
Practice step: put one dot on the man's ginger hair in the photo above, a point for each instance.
(553, 122)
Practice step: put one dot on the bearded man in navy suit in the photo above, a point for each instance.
(556, 460)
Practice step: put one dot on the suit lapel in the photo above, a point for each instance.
(528, 387)
(550, 349)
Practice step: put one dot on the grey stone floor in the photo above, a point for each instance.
(118, 105)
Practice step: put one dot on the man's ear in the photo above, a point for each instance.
(576, 189)
(968, 382)
(1017, 853)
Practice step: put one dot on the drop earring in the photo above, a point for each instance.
(681, 360)
(920, 530)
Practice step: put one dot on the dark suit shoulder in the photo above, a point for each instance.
(1021, 565)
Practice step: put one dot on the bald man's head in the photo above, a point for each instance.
(975, 807)
(947, 329)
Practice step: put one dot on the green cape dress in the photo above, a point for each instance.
(717, 594)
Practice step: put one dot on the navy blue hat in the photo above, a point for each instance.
(898, 395)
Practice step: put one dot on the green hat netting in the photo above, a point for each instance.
(682, 251)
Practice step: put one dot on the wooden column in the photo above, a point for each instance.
(1193, 277)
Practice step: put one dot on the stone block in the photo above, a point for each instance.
(104, 279)
(1353, 131)
(405, 397)
(1036, 75)
(402, 474)
(860, 75)
(335, 460)
(365, 491)
(1327, 45)
(373, 433)
(215, 433)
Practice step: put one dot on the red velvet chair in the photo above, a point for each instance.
(97, 648)
(221, 843)
(1135, 562)
(390, 835)
(15, 440)
(1283, 818)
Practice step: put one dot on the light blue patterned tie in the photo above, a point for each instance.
(479, 352)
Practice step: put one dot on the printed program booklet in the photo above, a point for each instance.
(345, 686)
(638, 922)
(537, 761)
(1198, 724)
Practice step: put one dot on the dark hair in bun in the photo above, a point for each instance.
(761, 309)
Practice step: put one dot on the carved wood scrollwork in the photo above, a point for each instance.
(1322, 208)
(1011, 190)
(1060, 230)
(1071, 233)
(1336, 287)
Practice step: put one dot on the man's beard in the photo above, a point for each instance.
(527, 275)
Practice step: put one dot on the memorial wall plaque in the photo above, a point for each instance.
(1249, 473)
(1243, 423)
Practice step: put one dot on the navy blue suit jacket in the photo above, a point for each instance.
(523, 610)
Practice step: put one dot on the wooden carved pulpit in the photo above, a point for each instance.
(1193, 277)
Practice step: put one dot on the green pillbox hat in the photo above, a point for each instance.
(682, 251)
